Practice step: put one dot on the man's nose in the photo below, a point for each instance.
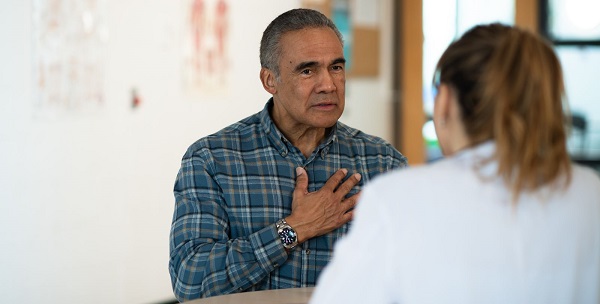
(326, 82)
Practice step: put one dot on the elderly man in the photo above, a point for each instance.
(260, 204)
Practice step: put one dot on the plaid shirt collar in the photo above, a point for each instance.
(282, 144)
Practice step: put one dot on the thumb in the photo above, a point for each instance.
(301, 181)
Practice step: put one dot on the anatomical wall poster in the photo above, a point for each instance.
(69, 42)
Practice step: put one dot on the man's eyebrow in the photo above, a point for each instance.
(338, 61)
(303, 65)
(309, 64)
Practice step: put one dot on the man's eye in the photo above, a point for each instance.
(337, 67)
(306, 72)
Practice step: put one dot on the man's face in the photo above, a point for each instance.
(311, 87)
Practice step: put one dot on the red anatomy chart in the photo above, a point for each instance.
(68, 55)
(206, 62)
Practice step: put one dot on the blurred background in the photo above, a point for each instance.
(99, 99)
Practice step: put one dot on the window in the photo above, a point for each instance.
(444, 21)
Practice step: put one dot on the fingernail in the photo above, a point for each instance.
(358, 176)
(299, 171)
(345, 171)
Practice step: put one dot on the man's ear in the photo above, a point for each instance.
(267, 78)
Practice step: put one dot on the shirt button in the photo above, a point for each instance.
(284, 153)
(307, 251)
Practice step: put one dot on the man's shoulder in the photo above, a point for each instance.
(357, 142)
(347, 133)
(250, 124)
(230, 136)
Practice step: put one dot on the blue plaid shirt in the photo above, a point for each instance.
(232, 188)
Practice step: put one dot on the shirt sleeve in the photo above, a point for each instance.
(204, 260)
(397, 159)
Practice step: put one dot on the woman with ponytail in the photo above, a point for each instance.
(505, 217)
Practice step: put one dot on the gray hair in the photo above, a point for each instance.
(292, 20)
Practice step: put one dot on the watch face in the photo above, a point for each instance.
(287, 235)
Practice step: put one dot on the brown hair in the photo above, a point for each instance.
(510, 90)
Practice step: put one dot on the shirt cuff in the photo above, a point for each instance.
(268, 249)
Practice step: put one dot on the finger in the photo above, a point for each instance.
(356, 197)
(350, 203)
(335, 179)
(301, 181)
(346, 217)
(348, 184)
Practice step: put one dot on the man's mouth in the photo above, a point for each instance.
(325, 105)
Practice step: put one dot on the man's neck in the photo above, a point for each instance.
(307, 139)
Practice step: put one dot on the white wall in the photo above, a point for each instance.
(86, 200)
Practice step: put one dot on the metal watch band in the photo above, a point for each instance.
(280, 223)
(287, 234)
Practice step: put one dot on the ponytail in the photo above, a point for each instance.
(523, 81)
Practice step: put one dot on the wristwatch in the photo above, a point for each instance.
(287, 234)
